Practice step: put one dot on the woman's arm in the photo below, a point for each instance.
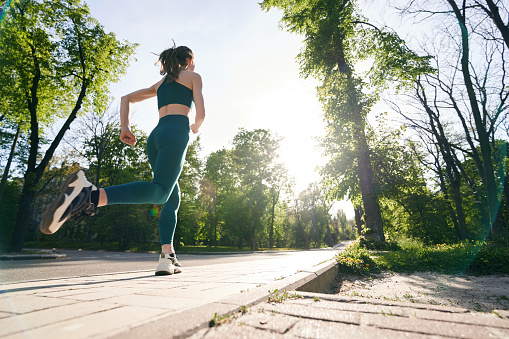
(127, 100)
(198, 103)
(125, 110)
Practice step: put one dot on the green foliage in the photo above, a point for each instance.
(467, 256)
(336, 38)
(355, 260)
(8, 210)
(55, 61)
(277, 296)
(410, 255)
(238, 186)
(373, 245)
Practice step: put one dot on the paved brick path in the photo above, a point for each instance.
(142, 305)
(313, 315)
(102, 306)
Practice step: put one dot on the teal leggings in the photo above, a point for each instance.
(166, 150)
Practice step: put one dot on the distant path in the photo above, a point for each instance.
(79, 263)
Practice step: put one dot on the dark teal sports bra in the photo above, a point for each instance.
(173, 93)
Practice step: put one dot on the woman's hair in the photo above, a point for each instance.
(172, 58)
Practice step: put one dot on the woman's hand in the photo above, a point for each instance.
(127, 137)
(194, 128)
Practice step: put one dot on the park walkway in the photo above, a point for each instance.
(141, 305)
(102, 306)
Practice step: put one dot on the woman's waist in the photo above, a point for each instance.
(175, 118)
(174, 109)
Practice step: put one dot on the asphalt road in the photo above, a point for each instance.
(80, 263)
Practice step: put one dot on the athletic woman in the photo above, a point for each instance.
(166, 150)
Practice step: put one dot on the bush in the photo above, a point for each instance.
(473, 257)
(355, 260)
(373, 245)
(491, 259)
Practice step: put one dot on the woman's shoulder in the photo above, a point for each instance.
(159, 83)
(189, 74)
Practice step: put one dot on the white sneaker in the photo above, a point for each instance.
(166, 265)
(73, 200)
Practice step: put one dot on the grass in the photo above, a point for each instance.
(473, 257)
(147, 247)
(277, 296)
(218, 320)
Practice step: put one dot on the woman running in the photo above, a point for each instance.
(166, 150)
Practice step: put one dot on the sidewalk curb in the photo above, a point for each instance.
(39, 254)
(32, 256)
(186, 323)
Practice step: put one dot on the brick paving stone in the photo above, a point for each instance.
(220, 291)
(503, 313)
(20, 304)
(72, 293)
(177, 324)
(5, 315)
(102, 293)
(93, 325)
(318, 317)
(236, 331)
(372, 301)
(161, 303)
(312, 313)
(40, 318)
(497, 333)
(15, 289)
(488, 319)
(419, 326)
(306, 328)
(278, 323)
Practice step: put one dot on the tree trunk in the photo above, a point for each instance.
(494, 13)
(23, 217)
(372, 213)
(9, 161)
(34, 172)
(271, 230)
(456, 191)
(253, 243)
(447, 152)
(444, 189)
(480, 125)
(358, 219)
(314, 226)
(330, 243)
(506, 190)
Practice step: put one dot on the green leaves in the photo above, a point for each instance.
(393, 61)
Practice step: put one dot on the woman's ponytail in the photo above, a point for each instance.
(172, 59)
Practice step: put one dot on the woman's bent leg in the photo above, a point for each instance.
(138, 192)
(168, 217)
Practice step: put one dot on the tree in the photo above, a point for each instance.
(60, 62)
(278, 183)
(125, 224)
(465, 102)
(254, 157)
(9, 161)
(336, 37)
(216, 186)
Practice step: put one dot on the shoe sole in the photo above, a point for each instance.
(163, 273)
(50, 222)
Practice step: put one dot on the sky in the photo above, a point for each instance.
(248, 66)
